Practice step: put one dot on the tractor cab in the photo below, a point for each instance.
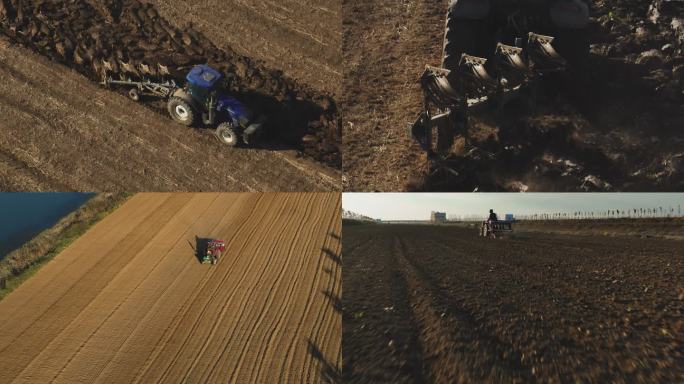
(202, 86)
(202, 83)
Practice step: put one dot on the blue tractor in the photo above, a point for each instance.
(200, 101)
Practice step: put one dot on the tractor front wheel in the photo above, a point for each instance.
(227, 135)
(181, 111)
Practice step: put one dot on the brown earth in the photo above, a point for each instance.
(300, 37)
(613, 127)
(129, 302)
(672, 228)
(130, 39)
(62, 132)
(440, 304)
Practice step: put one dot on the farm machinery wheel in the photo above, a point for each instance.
(226, 134)
(134, 94)
(464, 36)
(181, 111)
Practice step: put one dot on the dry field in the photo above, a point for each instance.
(439, 304)
(62, 132)
(300, 37)
(130, 38)
(129, 302)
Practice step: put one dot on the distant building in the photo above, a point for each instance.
(438, 217)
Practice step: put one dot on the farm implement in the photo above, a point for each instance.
(496, 229)
(199, 100)
(494, 51)
(215, 249)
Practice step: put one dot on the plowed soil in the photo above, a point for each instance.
(62, 132)
(129, 301)
(130, 39)
(300, 37)
(613, 127)
(440, 304)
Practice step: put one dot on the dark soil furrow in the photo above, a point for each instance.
(533, 307)
(129, 39)
(457, 348)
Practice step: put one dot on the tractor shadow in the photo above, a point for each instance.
(329, 372)
(287, 121)
(200, 247)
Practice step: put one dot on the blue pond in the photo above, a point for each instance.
(23, 215)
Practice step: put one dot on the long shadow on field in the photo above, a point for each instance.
(330, 373)
(332, 255)
(200, 247)
(334, 300)
(335, 236)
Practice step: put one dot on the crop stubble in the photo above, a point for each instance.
(129, 302)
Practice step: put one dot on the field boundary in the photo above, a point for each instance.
(25, 261)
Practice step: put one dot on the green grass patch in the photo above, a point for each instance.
(49, 243)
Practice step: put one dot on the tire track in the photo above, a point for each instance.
(68, 306)
(459, 349)
(62, 343)
(124, 357)
(205, 307)
(271, 268)
(143, 262)
(155, 314)
(303, 269)
(330, 362)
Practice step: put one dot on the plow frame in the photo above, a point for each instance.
(143, 87)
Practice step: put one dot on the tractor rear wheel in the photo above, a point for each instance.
(181, 111)
(227, 135)
(465, 36)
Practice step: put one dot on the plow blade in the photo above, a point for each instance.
(475, 80)
(421, 130)
(512, 67)
(543, 56)
(438, 89)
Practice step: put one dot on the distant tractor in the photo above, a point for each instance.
(496, 229)
(215, 249)
(200, 100)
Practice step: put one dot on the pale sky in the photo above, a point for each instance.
(417, 206)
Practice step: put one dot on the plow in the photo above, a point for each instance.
(495, 51)
(215, 249)
(496, 229)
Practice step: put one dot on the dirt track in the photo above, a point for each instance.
(129, 301)
(439, 304)
(616, 128)
(62, 132)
